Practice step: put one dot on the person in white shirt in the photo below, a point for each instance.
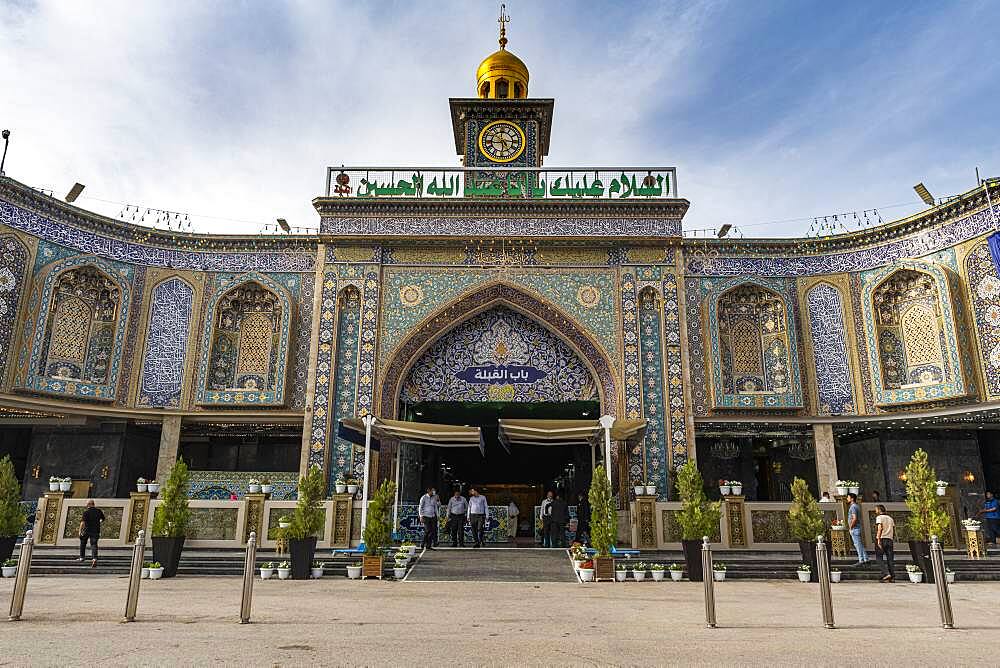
(478, 512)
(427, 509)
(512, 513)
(458, 507)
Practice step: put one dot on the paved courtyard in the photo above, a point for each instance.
(194, 621)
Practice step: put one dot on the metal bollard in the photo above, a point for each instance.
(135, 576)
(248, 569)
(708, 578)
(21, 579)
(941, 582)
(823, 573)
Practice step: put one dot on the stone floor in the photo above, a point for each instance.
(333, 621)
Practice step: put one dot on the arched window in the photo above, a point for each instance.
(484, 90)
(502, 88)
(518, 90)
(909, 331)
(753, 342)
(245, 340)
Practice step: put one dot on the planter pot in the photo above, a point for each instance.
(639, 490)
(412, 549)
(692, 557)
(371, 567)
(804, 576)
(718, 576)
(651, 490)
(9, 571)
(65, 486)
(576, 564)
(156, 573)
(676, 575)
(621, 576)
(941, 491)
(144, 574)
(854, 490)
(53, 487)
(835, 576)
(354, 572)
(340, 488)
(141, 487)
(949, 578)
(266, 573)
(586, 574)
(352, 489)
(915, 578)
(266, 489)
(153, 487)
(284, 573)
(284, 525)
(807, 548)
(303, 550)
(399, 573)
(920, 552)
(737, 490)
(6, 548)
(658, 575)
(167, 551)
(725, 490)
(638, 576)
(841, 491)
(255, 489)
(316, 573)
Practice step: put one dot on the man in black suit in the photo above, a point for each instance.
(560, 518)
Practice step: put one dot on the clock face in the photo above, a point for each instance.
(501, 141)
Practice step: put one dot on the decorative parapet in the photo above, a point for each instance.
(138, 514)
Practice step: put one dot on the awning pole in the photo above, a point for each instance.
(593, 458)
(607, 421)
(395, 504)
(369, 421)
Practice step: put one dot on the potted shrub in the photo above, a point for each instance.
(603, 522)
(352, 486)
(804, 572)
(254, 485)
(399, 569)
(972, 525)
(927, 518)
(639, 571)
(156, 571)
(284, 521)
(66, 484)
(144, 572)
(736, 486)
(410, 546)
(841, 487)
(805, 522)
(12, 516)
(725, 489)
(9, 568)
(949, 576)
(650, 488)
(340, 486)
(854, 487)
(835, 575)
(697, 517)
(354, 570)
(586, 571)
(942, 487)
(639, 489)
(621, 571)
(718, 571)
(267, 570)
(307, 522)
(676, 572)
(265, 486)
(317, 570)
(916, 575)
(153, 487)
(378, 530)
(170, 520)
(142, 485)
(658, 571)
(284, 570)
(837, 525)
(53, 483)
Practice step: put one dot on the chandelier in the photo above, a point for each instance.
(725, 448)
(800, 450)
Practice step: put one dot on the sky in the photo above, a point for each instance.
(774, 113)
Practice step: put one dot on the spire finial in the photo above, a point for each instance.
(503, 20)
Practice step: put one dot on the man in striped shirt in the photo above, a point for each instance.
(428, 511)
(478, 512)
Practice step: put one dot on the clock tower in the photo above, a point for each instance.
(502, 126)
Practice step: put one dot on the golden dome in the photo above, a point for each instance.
(502, 74)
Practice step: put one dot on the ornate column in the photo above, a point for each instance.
(826, 457)
(253, 517)
(645, 522)
(314, 422)
(343, 515)
(48, 518)
(138, 513)
(734, 513)
(170, 438)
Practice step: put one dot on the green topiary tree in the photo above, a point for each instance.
(307, 520)
(805, 519)
(603, 515)
(927, 518)
(12, 516)
(170, 519)
(698, 517)
(378, 527)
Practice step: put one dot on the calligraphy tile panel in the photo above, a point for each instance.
(984, 286)
(830, 355)
(13, 264)
(171, 305)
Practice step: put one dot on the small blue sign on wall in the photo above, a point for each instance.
(503, 374)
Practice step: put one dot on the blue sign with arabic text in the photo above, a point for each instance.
(503, 374)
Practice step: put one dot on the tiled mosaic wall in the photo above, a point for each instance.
(13, 266)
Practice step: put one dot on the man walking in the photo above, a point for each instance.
(560, 517)
(512, 512)
(458, 507)
(478, 512)
(885, 532)
(545, 514)
(90, 529)
(854, 524)
(428, 512)
(991, 518)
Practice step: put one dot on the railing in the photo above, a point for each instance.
(586, 183)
